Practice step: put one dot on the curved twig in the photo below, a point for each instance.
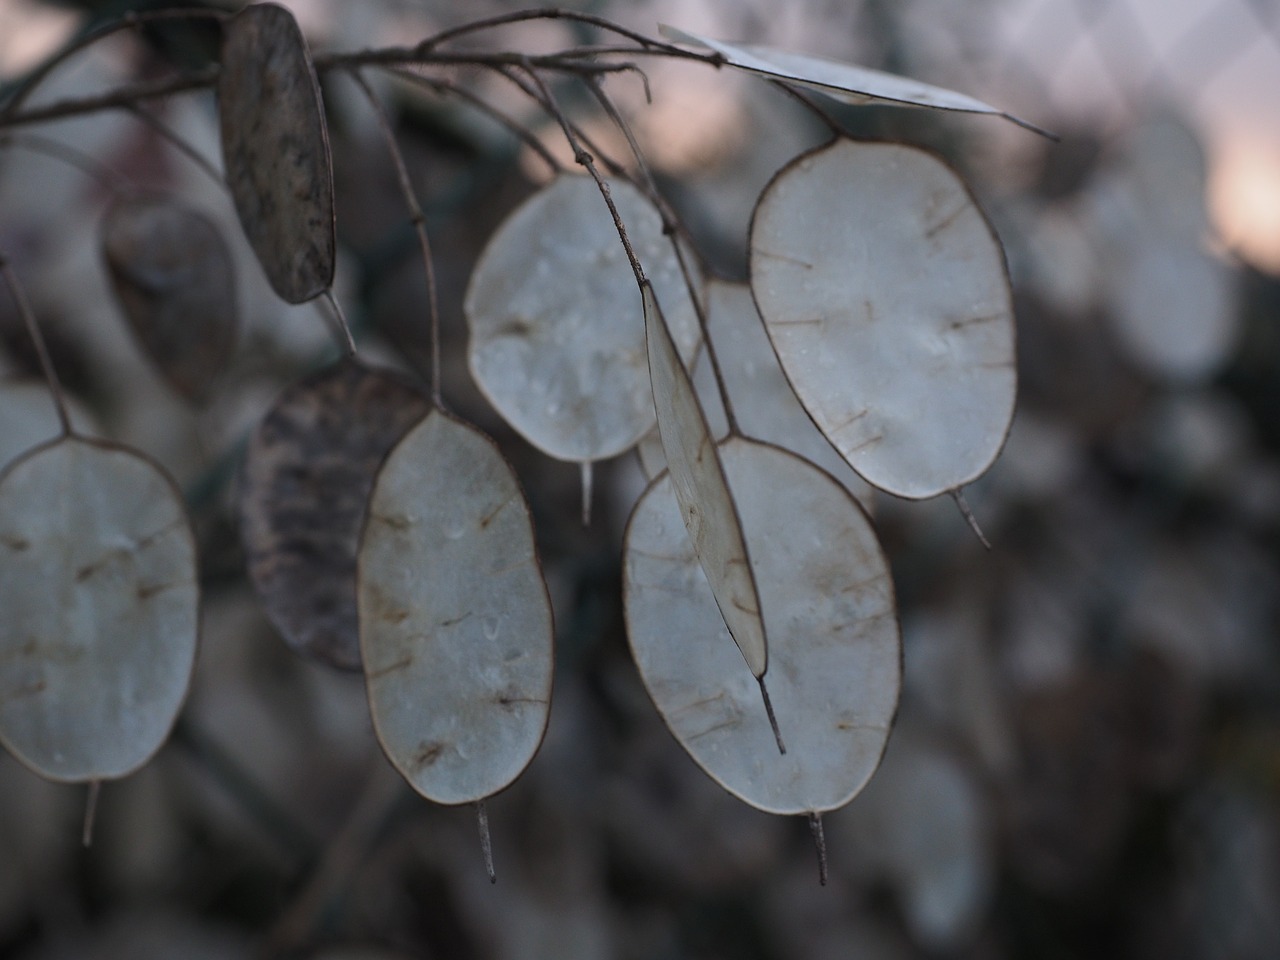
(42, 350)
(614, 167)
(584, 159)
(551, 13)
(128, 21)
(120, 98)
(179, 143)
(419, 222)
(86, 163)
(671, 228)
(339, 320)
(525, 135)
(837, 128)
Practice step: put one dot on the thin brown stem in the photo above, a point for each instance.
(586, 474)
(128, 21)
(614, 50)
(1031, 127)
(594, 78)
(671, 229)
(610, 108)
(533, 93)
(340, 322)
(120, 98)
(551, 13)
(670, 220)
(963, 505)
(722, 387)
(519, 130)
(585, 160)
(486, 840)
(86, 163)
(837, 128)
(42, 351)
(179, 143)
(90, 812)
(773, 719)
(614, 166)
(381, 792)
(401, 56)
(579, 61)
(419, 222)
(820, 843)
(129, 94)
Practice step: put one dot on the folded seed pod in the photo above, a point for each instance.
(834, 649)
(845, 82)
(652, 460)
(706, 502)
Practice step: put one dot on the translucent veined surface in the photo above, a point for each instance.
(100, 594)
(652, 460)
(884, 292)
(455, 621)
(557, 331)
(763, 401)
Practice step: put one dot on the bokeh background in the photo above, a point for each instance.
(1087, 756)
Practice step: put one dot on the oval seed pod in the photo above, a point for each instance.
(884, 292)
(275, 149)
(834, 649)
(706, 501)
(845, 82)
(172, 276)
(763, 402)
(307, 474)
(100, 596)
(455, 620)
(557, 337)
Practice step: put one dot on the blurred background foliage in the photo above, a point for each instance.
(1087, 758)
